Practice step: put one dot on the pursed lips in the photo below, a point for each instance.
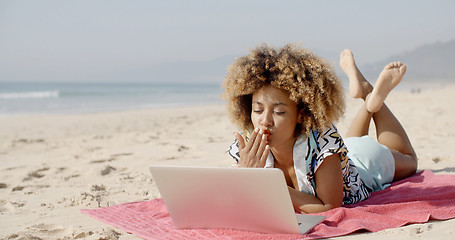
(268, 133)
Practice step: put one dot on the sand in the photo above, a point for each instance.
(54, 165)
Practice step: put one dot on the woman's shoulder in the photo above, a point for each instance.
(315, 137)
(329, 141)
(330, 132)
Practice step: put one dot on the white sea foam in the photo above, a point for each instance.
(27, 95)
(48, 98)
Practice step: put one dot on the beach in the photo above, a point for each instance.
(54, 165)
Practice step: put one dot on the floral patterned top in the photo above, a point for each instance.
(309, 153)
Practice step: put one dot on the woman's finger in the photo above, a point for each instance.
(257, 141)
(251, 140)
(262, 145)
(240, 140)
(265, 154)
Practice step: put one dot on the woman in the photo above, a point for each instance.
(287, 100)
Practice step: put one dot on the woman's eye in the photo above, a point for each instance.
(257, 111)
(279, 113)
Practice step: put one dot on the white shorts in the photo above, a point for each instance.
(373, 160)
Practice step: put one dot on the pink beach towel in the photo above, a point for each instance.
(416, 199)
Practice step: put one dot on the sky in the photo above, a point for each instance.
(75, 40)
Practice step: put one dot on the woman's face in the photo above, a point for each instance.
(272, 110)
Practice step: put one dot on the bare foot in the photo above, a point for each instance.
(387, 80)
(359, 87)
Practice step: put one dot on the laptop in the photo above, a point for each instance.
(250, 199)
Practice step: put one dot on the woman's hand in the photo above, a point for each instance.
(253, 153)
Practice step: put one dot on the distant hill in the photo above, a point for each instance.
(435, 62)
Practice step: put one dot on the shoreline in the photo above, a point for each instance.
(415, 87)
(55, 165)
(92, 97)
(132, 110)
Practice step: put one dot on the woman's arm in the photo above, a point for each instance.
(329, 182)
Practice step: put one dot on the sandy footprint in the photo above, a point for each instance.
(36, 174)
(11, 206)
(107, 170)
(29, 141)
(102, 160)
(5, 207)
(85, 199)
(110, 234)
(44, 231)
(50, 229)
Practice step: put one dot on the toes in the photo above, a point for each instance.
(346, 52)
(398, 65)
(403, 69)
(388, 66)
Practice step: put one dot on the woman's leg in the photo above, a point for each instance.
(389, 131)
(359, 87)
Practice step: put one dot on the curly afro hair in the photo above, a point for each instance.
(308, 79)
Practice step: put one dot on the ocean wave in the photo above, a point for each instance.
(29, 95)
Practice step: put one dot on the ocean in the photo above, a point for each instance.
(68, 98)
